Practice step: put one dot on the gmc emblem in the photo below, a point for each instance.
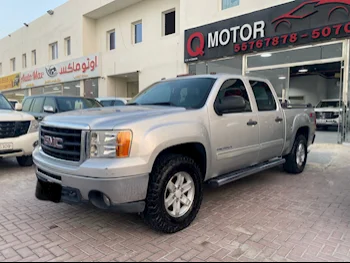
(53, 142)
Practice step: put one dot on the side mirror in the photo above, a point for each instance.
(230, 105)
(49, 109)
(18, 107)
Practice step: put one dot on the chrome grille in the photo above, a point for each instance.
(327, 115)
(70, 147)
(12, 129)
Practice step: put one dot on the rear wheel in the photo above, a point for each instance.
(296, 160)
(175, 194)
(25, 161)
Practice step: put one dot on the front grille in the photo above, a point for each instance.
(13, 129)
(327, 115)
(70, 141)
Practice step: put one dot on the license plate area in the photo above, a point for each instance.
(50, 191)
(6, 147)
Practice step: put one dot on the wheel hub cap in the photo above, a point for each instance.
(179, 195)
(301, 155)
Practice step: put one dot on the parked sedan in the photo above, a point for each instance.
(42, 105)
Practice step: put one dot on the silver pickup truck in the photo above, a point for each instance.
(154, 155)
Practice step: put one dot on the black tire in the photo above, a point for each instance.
(291, 166)
(25, 161)
(155, 214)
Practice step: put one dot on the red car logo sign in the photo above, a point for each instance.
(199, 50)
(291, 15)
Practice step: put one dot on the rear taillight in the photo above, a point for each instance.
(313, 116)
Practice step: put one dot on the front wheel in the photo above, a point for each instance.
(175, 194)
(25, 161)
(296, 160)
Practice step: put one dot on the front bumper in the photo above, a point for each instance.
(21, 146)
(327, 122)
(59, 183)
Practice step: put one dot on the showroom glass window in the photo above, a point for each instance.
(229, 3)
(91, 88)
(71, 88)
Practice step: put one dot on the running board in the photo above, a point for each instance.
(231, 177)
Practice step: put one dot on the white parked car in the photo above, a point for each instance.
(328, 113)
(111, 101)
(18, 133)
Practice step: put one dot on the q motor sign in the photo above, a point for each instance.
(291, 24)
(73, 70)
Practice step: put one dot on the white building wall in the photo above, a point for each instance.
(87, 22)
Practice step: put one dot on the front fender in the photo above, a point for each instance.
(163, 136)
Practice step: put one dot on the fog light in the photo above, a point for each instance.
(106, 200)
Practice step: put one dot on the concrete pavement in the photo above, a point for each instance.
(271, 216)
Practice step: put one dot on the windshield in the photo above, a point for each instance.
(189, 93)
(4, 104)
(71, 104)
(329, 104)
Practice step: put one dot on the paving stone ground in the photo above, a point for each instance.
(266, 217)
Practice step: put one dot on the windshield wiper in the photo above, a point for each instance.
(131, 104)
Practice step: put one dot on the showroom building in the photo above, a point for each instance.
(118, 48)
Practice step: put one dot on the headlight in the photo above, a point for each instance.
(34, 126)
(110, 144)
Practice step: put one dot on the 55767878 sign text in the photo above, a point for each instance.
(319, 34)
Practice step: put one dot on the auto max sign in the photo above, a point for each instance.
(291, 24)
(72, 70)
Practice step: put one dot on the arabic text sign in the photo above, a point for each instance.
(10, 82)
(73, 70)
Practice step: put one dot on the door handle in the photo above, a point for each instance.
(278, 119)
(252, 123)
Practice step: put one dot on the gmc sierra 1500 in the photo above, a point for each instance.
(153, 155)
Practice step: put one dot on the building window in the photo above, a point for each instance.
(229, 3)
(13, 64)
(169, 22)
(24, 61)
(137, 28)
(54, 51)
(68, 46)
(34, 57)
(111, 40)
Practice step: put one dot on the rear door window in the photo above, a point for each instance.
(38, 104)
(26, 105)
(264, 96)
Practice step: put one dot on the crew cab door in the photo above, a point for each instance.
(271, 121)
(234, 135)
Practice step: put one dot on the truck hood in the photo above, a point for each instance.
(10, 115)
(109, 118)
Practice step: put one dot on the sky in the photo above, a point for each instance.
(13, 13)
